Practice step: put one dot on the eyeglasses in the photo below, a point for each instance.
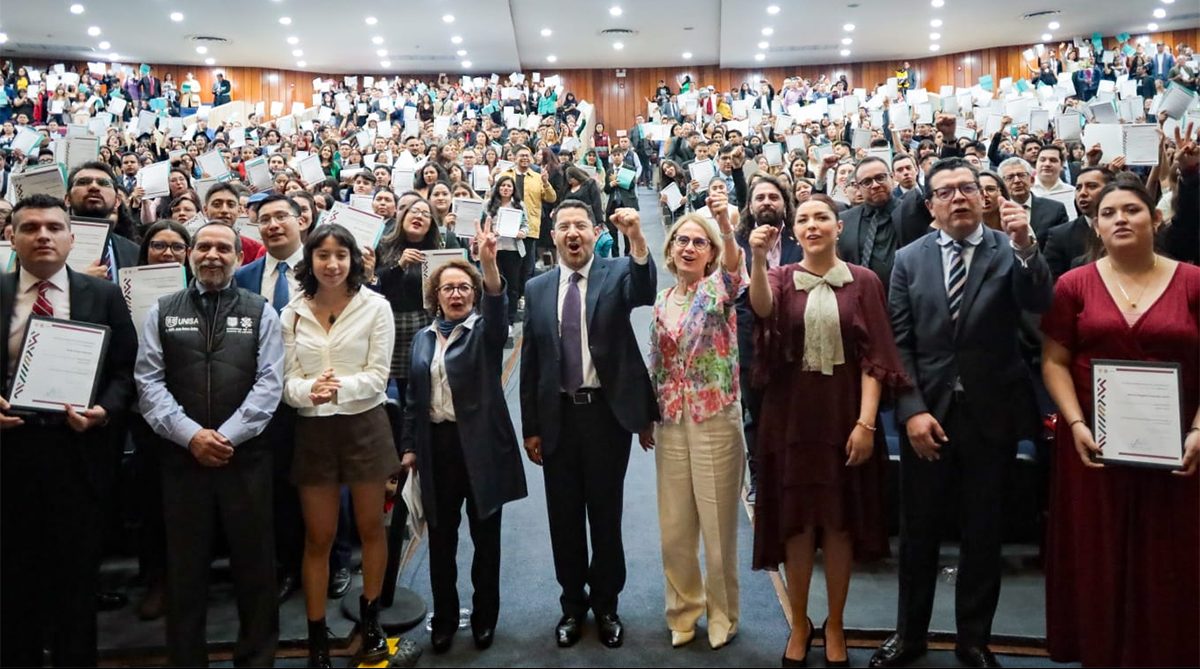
(1018, 176)
(946, 193)
(281, 217)
(698, 243)
(461, 289)
(175, 247)
(103, 182)
(880, 179)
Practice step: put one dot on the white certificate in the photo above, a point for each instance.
(142, 286)
(773, 153)
(402, 179)
(434, 259)
(153, 179)
(212, 164)
(258, 174)
(1137, 413)
(674, 196)
(75, 151)
(91, 236)
(480, 176)
(60, 364)
(47, 179)
(310, 169)
(508, 222)
(366, 227)
(702, 171)
(468, 213)
(1141, 144)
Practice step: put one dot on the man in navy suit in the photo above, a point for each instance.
(1043, 212)
(1161, 63)
(584, 391)
(956, 304)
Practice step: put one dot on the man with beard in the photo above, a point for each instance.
(92, 193)
(883, 223)
(1066, 243)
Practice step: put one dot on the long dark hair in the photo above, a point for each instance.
(358, 272)
(1130, 184)
(144, 250)
(493, 201)
(748, 223)
(392, 246)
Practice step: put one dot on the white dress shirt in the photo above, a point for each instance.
(1060, 192)
(270, 274)
(358, 347)
(441, 400)
(59, 296)
(590, 378)
(968, 251)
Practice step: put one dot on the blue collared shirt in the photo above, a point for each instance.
(166, 416)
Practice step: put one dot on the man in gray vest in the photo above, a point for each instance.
(210, 375)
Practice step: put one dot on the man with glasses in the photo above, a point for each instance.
(1044, 213)
(883, 223)
(956, 303)
(93, 194)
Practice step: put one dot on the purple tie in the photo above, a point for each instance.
(571, 340)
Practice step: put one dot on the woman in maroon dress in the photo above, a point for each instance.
(824, 352)
(1123, 545)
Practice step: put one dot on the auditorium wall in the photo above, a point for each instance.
(617, 99)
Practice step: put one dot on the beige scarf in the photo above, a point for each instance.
(822, 322)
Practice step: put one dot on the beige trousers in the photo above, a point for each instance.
(699, 489)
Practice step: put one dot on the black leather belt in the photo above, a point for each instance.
(583, 396)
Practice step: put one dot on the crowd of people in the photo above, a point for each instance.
(960, 257)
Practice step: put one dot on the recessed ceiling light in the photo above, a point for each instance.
(210, 61)
(377, 40)
(76, 9)
(1046, 37)
(614, 10)
(773, 9)
(94, 31)
(937, 3)
(385, 63)
(466, 64)
(687, 55)
(1054, 25)
(296, 53)
(845, 52)
(371, 20)
(618, 45)
(3, 38)
(176, 16)
(202, 49)
(934, 47)
(293, 40)
(847, 41)
(551, 58)
(1167, 2)
(301, 63)
(457, 39)
(285, 20)
(381, 52)
(447, 18)
(113, 56)
(767, 32)
(1160, 13)
(936, 23)
(933, 37)
(460, 53)
(546, 32)
(1152, 27)
(104, 46)
(760, 57)
(849, 27)
(764, 45)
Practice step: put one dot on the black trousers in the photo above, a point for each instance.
(585, 491)
(240, 494)
(49, 548)
(152, 531)
(512, 269)
(452, 487)
(969, 477)
(289, 524)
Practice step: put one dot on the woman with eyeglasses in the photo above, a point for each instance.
(700, 448)
(457, 425)
(823, 354)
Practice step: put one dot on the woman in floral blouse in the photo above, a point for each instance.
(699, 456)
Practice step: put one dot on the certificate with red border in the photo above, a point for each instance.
(60, 364)
(1137, 419)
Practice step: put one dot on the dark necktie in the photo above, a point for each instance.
(283, 292)
(571, 339)
(107, 260)
(130, 183)
(957, 281)
(873, 216)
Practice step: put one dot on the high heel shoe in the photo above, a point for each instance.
(802, 662)
(835, 663)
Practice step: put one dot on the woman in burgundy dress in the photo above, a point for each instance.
(824, 352)
(1123, 545)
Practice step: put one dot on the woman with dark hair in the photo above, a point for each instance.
(399, 274)
(552, 168)
(583, 188)
(183, 208)
(338, 341)
(1120, 577)
(427, 175)
(600, 142)
(457, 425)
(178, 183)
(511, 254)
(670, 172)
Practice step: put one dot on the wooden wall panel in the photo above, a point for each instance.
(618, 100)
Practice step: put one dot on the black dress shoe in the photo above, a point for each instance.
(110, 601)
(612, 632)
(802, 662)
(288, 583)
(339, 583)
(442, 639)
(484, 637)
(896, 652)
(976, 656)
(568, 631)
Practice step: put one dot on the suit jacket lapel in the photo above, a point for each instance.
(82, 303)
(550, 310)
(984, 257)
(8, 301)
(931, 265)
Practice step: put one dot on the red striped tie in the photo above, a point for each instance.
(42, 306)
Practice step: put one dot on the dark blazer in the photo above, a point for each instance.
(981, 348)
(1044, 214)
(910, 218)
(250, 276)
(615, 287)
(126, 252)
(1155, 71)
(474, 365)
(100, 302)
(1066, 245)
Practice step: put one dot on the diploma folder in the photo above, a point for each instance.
(28, 352)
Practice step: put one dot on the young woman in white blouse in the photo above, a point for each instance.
(338, 341)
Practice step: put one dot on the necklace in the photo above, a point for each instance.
(1124, 293)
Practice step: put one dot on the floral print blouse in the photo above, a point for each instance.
(694, 362)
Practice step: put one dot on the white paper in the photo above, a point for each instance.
(1067, 199)
(58, 365)
(153, 179)
(366, 227)
(435, 258)
(212, 164)
(76, 151)
(1039, 121)
(1067, 126)
(861, 139)
(90, 240)
(480, 175)
(468, 214)
(1141, 144)
(1104, 112)
(1107, 135)
(402, 179)
(1176, 102)
(508, 222)
(142, 286)
(310, 169)
(773, 153)
(1139, 404)
(901, 116)
(702, 171)
(674, 196)
(258, 174)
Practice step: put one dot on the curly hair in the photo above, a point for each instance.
(433, 284)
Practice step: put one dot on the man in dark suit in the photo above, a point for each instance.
(1086, 80)
(584, 390)
(956, 302)
(1066, 244)
(54, 466)
(92, 193)
(1161, 62)
(883, 223)
(1044, 213)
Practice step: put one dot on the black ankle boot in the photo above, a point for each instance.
(374, 641)
(318, 644)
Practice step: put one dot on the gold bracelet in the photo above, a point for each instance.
(862, 424)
